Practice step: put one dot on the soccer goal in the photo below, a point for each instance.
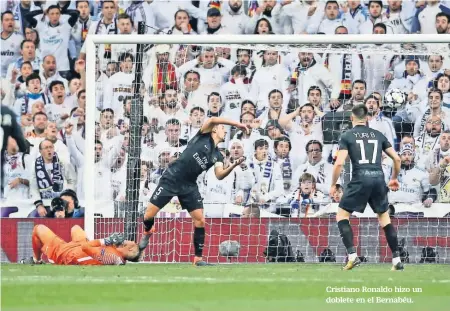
(162, 87)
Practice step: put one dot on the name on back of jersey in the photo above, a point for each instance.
(364, 135)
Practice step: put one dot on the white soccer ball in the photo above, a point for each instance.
(395, 99)
(229, 248)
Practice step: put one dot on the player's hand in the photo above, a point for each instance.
(427, 202)
(115, 239)
(393, 185)
(244, 127)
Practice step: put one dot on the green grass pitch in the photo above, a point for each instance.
(179, 287)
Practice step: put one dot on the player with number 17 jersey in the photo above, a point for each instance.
(365, 147)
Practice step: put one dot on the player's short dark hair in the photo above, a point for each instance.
(55, 83)
(360, 111)
(307, 177)
(313, 142)
(435, 90)
(380, 25)
(314, 88)
(260, 143)
(124, 56)
(39, 113)
(277, 141)
(275, 91)
(173, 121)
(7, 12)
(247, 113)
(33, 76)
(214, 94)
(24, 41)
(239, 69)
(360, 82)
(442, 14)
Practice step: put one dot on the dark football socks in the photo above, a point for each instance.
(391, 237)
(199, 241)
(346, 235)
(148, 224)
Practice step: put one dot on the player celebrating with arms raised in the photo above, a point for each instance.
(180, 178)
(365, 146)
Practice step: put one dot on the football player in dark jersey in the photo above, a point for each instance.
(180, 178)
(365, 146)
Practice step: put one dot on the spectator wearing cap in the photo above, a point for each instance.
(331, 20)
(268, 186)
(213, 70)
(414, 183)
(54, 34)
(193, 124)
(414, 84)
(28, 51)
(434, 108)
(316, 166)
(375, 17)
(271, 10)
(214, 24)
(308, 72)
(234, 92)
(233, 15)
(438, 165)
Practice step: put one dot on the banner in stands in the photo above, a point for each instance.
(310, 236)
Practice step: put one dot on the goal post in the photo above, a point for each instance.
(173, 240)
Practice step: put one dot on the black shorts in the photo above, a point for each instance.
(362, 190)
(189, 196)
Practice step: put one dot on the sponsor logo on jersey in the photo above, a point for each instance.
(202, 162)
(7, 53)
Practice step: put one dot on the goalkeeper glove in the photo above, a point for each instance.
(115, 239)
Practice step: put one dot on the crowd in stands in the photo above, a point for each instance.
(282, 94)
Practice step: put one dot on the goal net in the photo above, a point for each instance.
(147, 96)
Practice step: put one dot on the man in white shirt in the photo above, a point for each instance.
(375, 17)
(377, 121)
(119, 86)
(28, 51)
(59, 110)
(234, 92)
(10, 42)
(81, 27)
(234, 17)
(428, 14)
(331, 21)
(214, 23)
(50, 74)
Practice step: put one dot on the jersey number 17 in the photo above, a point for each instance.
(363, 151)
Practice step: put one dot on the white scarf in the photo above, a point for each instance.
(263, 172)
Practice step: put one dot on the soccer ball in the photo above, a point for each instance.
(229, 248)
(394, 99)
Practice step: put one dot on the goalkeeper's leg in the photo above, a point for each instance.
(343, 221)
(391, 237)
(41, 236)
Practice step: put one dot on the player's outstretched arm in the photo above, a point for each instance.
(337, 168)
(221, 172)
(211, 122)
(393, 183)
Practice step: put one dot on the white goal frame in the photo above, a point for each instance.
(92, 40)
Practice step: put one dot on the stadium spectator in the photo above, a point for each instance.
(442, 23)
(234, 17)
(435, 108)
(429, 13)
(55, 34)
(376, 119)
(414, 182)
(194, 123)
(288, 165)
(429, 139)
(28, 51)
(303, 200)
(274, 110)
(34, 93)
(214, 23)
(50, 74)
(248, 138)
(316, 166)
(375, 17)
(16, 177)
(358, 92)
(331, 21)
(442, 83)
(400, 16)
(10, 47)
(269, 10)
(234, 92)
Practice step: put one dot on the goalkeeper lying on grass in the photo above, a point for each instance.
(113, 250)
